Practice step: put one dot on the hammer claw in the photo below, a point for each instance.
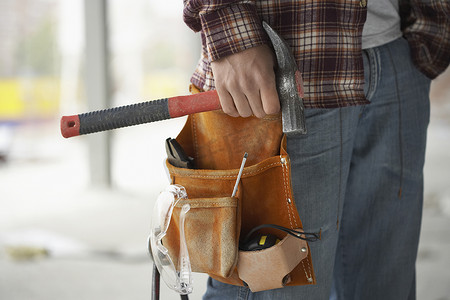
(289, 85)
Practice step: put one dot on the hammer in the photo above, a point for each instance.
(289, 87)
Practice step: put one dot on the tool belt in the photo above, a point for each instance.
(216, 221)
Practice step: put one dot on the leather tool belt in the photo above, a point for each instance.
(216, 220)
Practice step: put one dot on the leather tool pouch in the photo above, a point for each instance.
(216, 221)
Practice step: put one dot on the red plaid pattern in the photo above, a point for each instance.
(426, 26)
(324, 35)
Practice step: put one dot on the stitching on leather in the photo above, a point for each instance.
(228, 176)
(309, 268)
(304, 269)
(286, 194)
(262, 169)
(210, 205)
(194, 129)
(290, 195)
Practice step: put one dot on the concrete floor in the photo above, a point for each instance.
(96, 237)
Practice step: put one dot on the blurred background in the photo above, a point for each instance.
(75, 213)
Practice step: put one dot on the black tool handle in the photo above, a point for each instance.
(140, 113)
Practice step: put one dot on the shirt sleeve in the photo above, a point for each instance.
(426, 26)
(228, 26)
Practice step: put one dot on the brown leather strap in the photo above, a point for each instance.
(268, 269)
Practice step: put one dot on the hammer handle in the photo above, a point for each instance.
(139, 113)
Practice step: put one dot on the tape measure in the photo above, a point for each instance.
(260, 242)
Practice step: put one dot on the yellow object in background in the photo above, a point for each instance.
(23, 99)
(21, 253)
(11, 104)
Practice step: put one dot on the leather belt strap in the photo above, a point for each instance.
(267, 269)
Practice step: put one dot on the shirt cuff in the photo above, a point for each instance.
(231, 30)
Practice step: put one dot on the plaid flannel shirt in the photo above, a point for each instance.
(325, 37)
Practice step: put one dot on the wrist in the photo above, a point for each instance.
(232, 29)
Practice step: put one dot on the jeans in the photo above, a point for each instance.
(358, 178)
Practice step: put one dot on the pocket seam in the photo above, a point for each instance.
(244, 174)
(206, 202)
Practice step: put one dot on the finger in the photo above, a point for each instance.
(255, 102)
(227, 103)
(270, 99)
(241, 104)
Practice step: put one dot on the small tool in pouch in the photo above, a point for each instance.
(260, 242)
(176, 155)
(241, 169)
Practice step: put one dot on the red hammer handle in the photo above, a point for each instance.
(139, 113)
(186, 105)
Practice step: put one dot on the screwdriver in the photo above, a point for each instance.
(239, 175)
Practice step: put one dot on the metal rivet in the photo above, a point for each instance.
(303, 249)
(289, 200)
(310, 279)
(283, 160)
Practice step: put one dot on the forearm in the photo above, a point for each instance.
(229, 27)
(242, 65)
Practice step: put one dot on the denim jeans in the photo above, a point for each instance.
(358, 178)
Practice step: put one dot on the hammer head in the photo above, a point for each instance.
(289, 85)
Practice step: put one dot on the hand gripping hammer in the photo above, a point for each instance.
(289, 87)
